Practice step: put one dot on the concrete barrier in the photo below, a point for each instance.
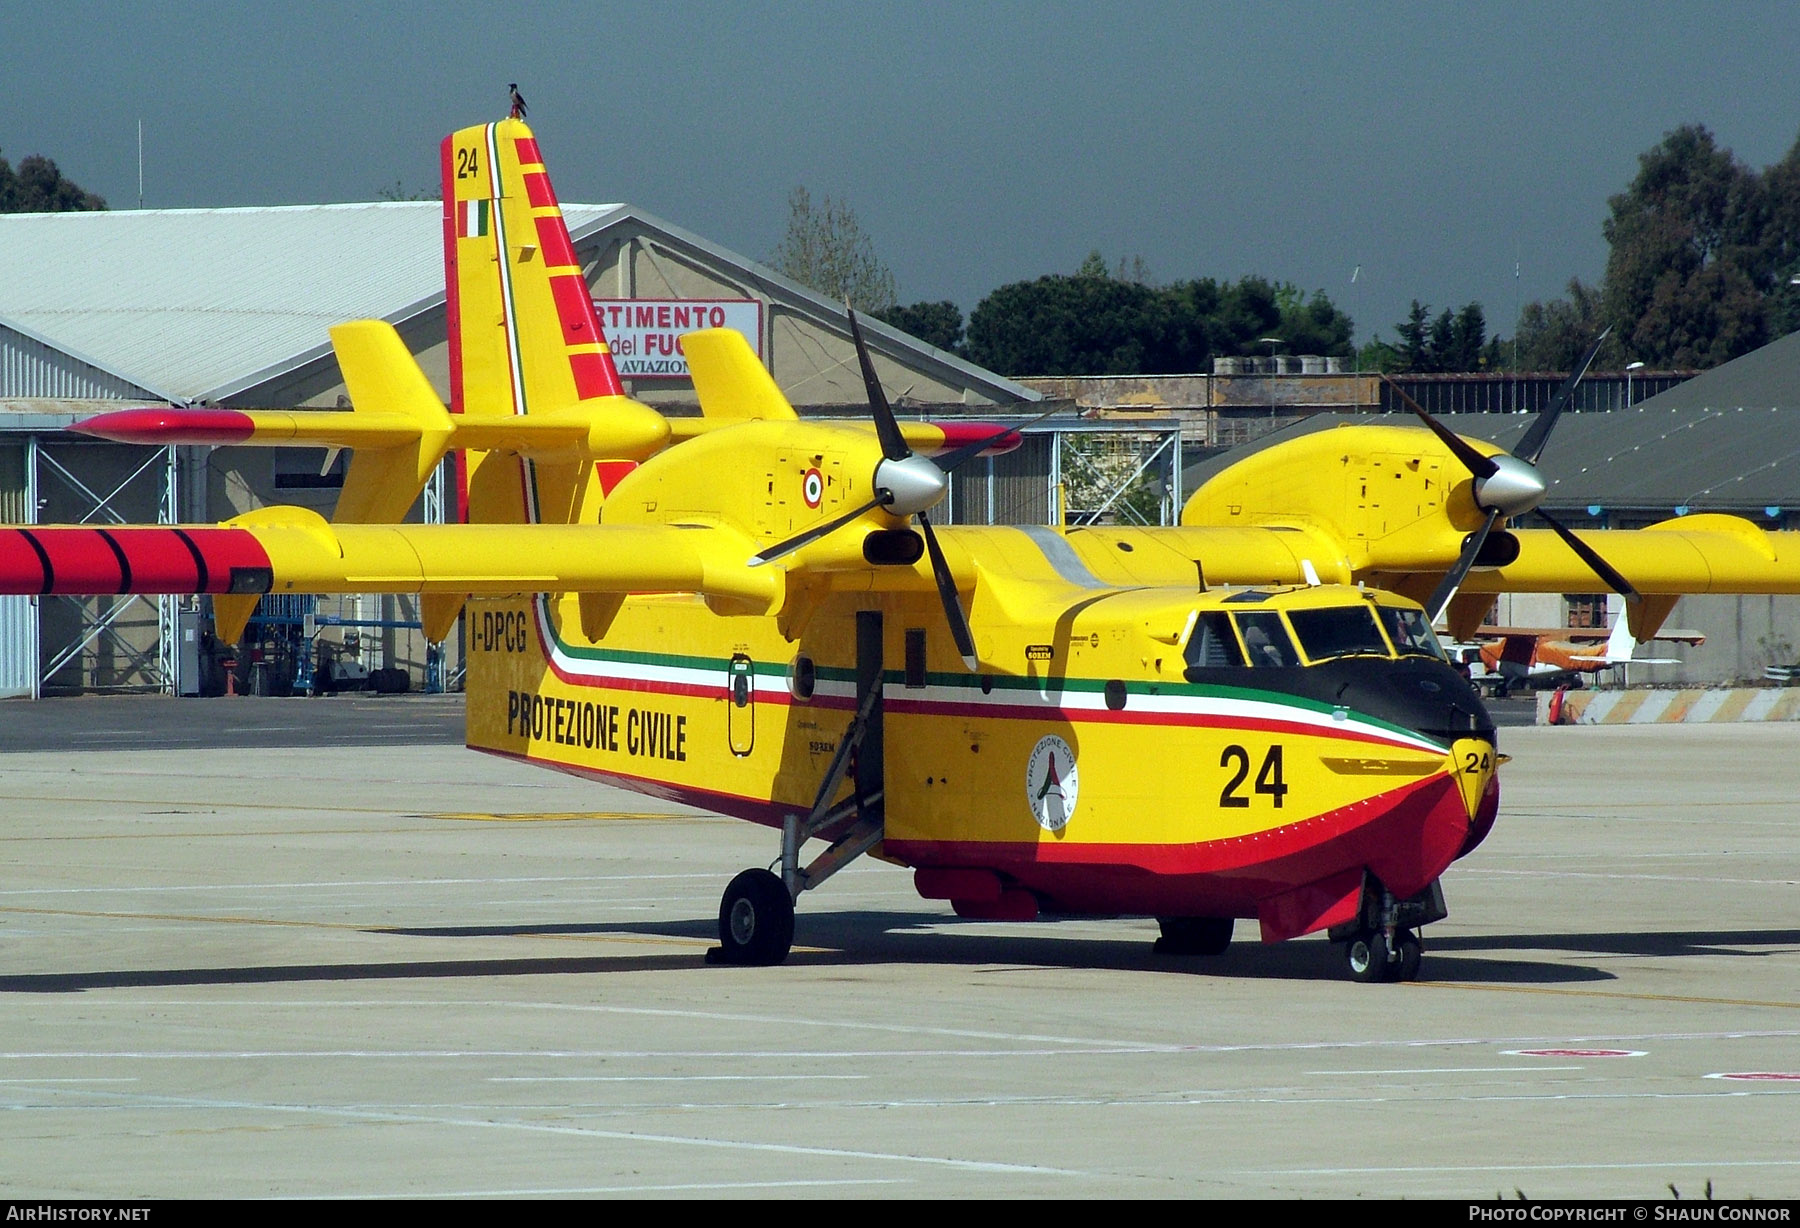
(1689, 706)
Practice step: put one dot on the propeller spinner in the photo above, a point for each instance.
(907, 485)
(1510, 485)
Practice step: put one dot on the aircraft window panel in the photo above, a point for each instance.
(1411, 634)
(1338, 631)
(1213, 645)
(1266, 642)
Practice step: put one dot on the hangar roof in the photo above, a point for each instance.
(201, 304)
(1761, 378)
(193, 303)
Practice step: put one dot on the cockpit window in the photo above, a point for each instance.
(1338, 631)
(1212, 645)
(1410, 632)
(1266, 641)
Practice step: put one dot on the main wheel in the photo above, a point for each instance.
(1194, 935)
(756, 920)
(1368, 958)
(1412, 951)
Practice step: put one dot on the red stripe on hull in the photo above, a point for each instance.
(1407, 837)
(527, 148)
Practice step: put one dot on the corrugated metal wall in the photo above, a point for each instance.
(18, 615)
(29, 368)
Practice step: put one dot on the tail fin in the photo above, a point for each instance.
(730, 380)
(524, 338)
(1621, 643)
(382, 482)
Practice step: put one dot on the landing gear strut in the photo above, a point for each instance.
(1372, 957)
(756, 915)
(1382, 944)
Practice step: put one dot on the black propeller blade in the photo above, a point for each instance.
(946, 586)
(1446, 589)
(1531, 444)
(1600, 567)
(893, 443)
(910, 485)
(817, 531)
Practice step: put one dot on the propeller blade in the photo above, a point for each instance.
(953, 612)
(1446, 589)
(950, 460)
(1477, 464)
(893, 443)
(1600, 567)
(1531, 444)
(816, 532)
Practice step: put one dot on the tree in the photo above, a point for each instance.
(38, 187)
(1084, 324)
(1453, 341)
(1691, 258)
(826, 249)
(1101, 322)
(939, 324)
(1553, 335)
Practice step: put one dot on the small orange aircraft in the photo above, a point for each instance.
(1541, 659)
(756, 614)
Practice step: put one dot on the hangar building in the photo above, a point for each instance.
(230, 307)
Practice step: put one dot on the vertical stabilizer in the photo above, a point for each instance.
(524, 337)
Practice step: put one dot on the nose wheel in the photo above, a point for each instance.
(1373, 957)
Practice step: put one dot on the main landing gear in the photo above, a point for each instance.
(756, 915)
(1382, 943)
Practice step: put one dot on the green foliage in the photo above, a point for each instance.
(1690, 254)
(939, 324)
(1452, 341)
(38, 187)
(1100, 322)
(825, 249)
(1553, 335)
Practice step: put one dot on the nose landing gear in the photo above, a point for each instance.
(1382, 943)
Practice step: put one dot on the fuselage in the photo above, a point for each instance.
(1123, 750)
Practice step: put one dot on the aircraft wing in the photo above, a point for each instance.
(1695, 554)
(292, 550)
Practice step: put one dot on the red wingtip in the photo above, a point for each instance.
(958, 434)
(166, 426)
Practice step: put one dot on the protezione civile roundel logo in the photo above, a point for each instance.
(1052, 782)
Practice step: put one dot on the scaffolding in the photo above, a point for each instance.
(1079, 472)
(99, 620)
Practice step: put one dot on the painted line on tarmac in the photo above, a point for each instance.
(1681, 1165)
(1634, 878)
(691, 1187)
(130, 1101)
(769, 1078)
(1057, 1044)
(1696, 1000)
(1453, 1070)
(487, 881)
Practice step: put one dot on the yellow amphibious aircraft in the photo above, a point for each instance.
(755, 614)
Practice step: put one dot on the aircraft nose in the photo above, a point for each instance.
(1473, 761)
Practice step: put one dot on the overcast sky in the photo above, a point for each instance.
(1434, 145)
